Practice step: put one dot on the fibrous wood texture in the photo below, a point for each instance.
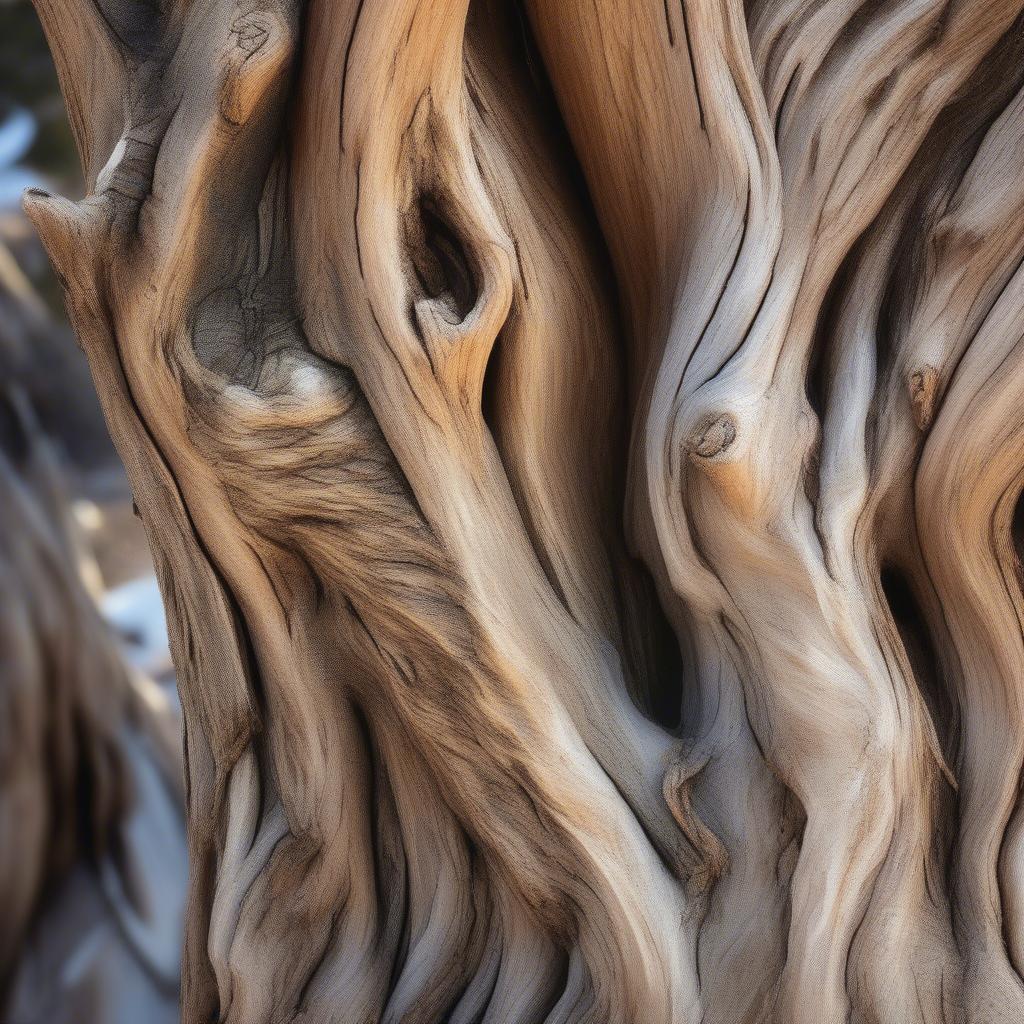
(580, 444)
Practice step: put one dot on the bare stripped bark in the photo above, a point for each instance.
(580, 443)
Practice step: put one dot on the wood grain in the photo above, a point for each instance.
(580, 442)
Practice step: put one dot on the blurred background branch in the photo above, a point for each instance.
(92, 850)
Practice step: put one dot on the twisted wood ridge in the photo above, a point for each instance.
(580, 446)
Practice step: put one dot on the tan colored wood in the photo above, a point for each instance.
(580, 443)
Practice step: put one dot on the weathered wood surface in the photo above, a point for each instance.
(580, 444)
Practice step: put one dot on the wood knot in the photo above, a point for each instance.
(715, 437)
(261, 47)
(922, 386)
(250, 33)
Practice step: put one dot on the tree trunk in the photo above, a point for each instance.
(580, 447)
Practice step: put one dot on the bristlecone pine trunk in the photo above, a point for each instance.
(580, 444)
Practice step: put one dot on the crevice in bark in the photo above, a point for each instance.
(135, 24)
(653, 650)
(1017, 538)
(820, 361)
(440, 258)
(915, 632)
